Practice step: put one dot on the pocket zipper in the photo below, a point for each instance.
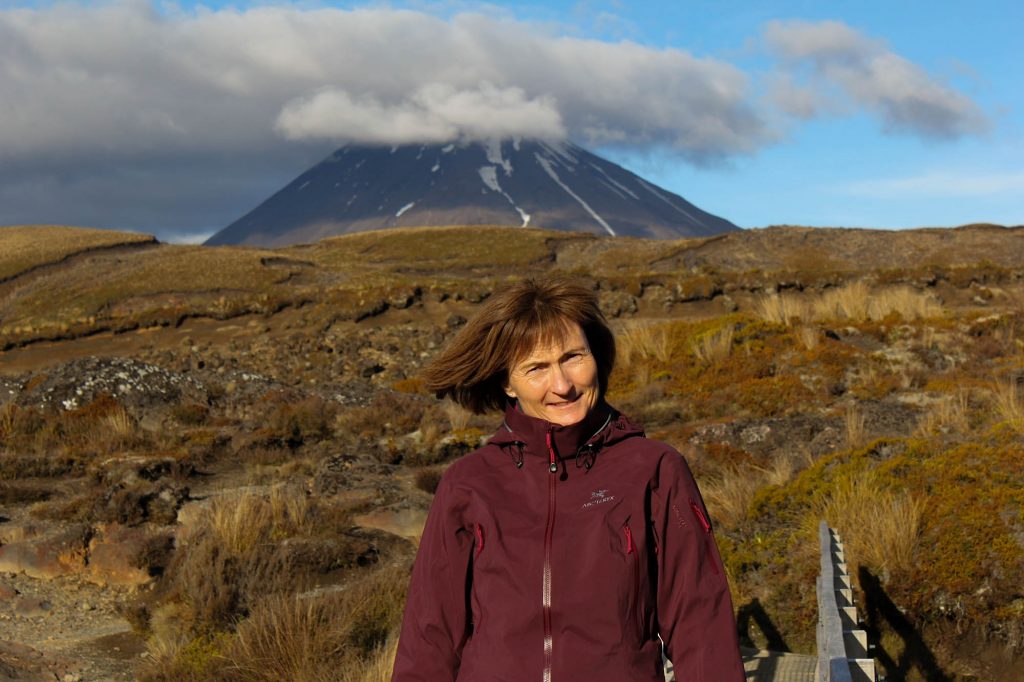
(632, 549)
(706, 525)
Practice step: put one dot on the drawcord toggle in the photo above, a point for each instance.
(516, 453)
(588, 453)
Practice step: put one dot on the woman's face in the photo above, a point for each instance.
(557, 383)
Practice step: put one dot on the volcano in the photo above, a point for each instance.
(554, 185)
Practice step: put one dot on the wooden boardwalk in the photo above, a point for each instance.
(770, 666)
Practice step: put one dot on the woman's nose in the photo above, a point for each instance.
(560, 382)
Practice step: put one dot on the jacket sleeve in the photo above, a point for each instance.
(695, 613)
(434, 626)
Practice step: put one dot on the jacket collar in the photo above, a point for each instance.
(567, 441)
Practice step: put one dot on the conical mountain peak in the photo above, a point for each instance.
(516, 182)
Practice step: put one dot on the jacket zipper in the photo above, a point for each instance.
(631, 549)
(706, 525)
(548, 535)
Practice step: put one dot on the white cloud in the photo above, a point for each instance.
(902, 94)
(123, 78)
(433, 113)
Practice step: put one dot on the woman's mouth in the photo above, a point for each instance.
(565, 403)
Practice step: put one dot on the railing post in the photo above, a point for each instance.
(842, 646)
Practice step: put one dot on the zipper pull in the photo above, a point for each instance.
(479, 539)
(553, 467)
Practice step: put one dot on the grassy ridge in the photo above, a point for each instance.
(23, 247)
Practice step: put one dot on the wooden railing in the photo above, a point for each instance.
(842, 645)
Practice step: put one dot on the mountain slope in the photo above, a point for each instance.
(514, 182)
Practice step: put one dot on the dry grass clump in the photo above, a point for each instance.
(1009, 404)
(950, 414)
(242, 521)
(100, 427)
(809, 337)
(380, 667)
(880, 526)
(855, 432)
(294, 422)
(639, 343)
(781, 308)
(428, 479)
(713, 347)
(291, 637)
(728, 497)
(855, 302)
(346, 635)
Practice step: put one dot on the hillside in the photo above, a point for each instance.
(170, 413)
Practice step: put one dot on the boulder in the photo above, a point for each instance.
(405, 523)
(114, 555)
(59, 553)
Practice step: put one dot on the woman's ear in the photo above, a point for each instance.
(507, 387)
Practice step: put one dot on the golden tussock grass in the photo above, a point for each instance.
(1009, 404)
(781, 308)
(854, 420)
(346, 635)
(949, 414)
(880, 527)
(714, 347)
(729, 496)
(639, 343)
(855, 301)
(380, 666)
(245, 520)
(809, 337)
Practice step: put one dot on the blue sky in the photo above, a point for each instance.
(169, 103)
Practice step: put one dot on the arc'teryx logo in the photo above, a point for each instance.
(597, 497)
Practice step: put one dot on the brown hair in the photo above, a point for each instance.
(473, 368)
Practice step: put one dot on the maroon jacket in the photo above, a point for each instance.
(561, 554)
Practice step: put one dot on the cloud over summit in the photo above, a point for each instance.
(235, 92)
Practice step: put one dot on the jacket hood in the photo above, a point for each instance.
(603, 426)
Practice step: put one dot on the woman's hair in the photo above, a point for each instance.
(473, 368)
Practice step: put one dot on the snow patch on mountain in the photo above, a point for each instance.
(405, 208)
(561, 150)
(493, 150)
(668, 201)
(489, 174)
(612, 180)
(546, 165)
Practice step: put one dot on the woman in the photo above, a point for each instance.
(570, 543)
